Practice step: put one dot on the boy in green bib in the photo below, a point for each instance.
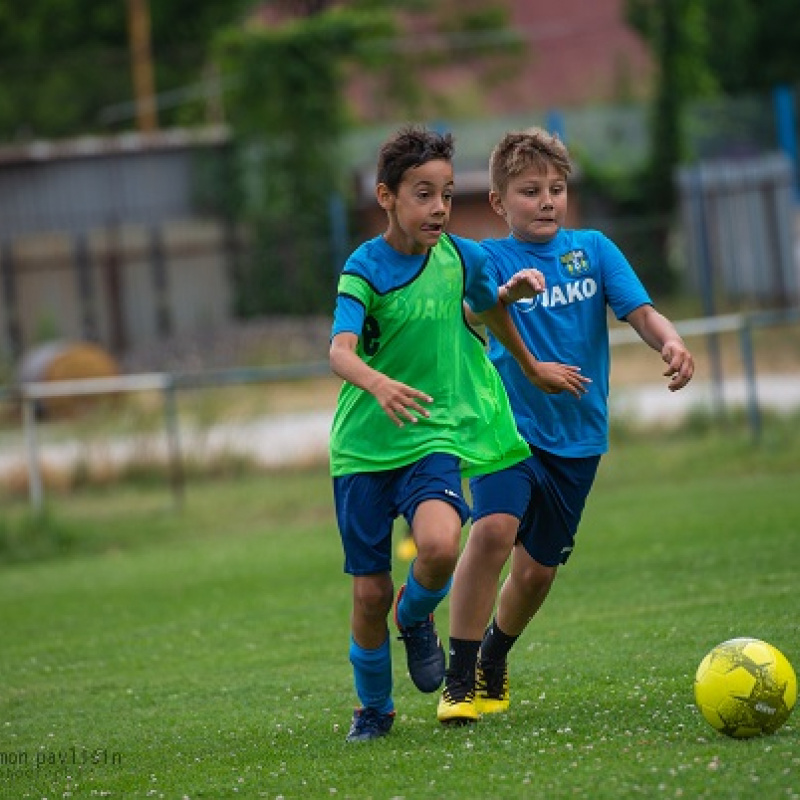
(420, 406)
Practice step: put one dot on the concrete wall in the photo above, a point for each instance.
(105, 240)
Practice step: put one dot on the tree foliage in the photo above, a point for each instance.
(754, 43)
(678, 35)
(288, 106)
(702, 47)
(63, 61)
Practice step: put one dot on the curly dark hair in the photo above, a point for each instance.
(411, 146)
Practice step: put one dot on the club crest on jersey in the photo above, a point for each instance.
(574, 264)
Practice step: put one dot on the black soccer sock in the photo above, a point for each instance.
(496, 644)
(463, 656)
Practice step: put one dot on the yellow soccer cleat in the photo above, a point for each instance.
(457, 703)
(491, 688)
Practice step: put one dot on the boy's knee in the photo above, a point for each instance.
(537, 577)
(439, 555)
(373, 598)
(494, 535)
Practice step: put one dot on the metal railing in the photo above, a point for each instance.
(711, 327)
(168, 384)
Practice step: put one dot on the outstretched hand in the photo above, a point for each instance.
(554, 378)
(680, 364)
(401, 403)
(525, 283)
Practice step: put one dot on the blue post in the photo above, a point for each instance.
(786, 127)
(337, 213)
(555, 124)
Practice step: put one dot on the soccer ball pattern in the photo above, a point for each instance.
(745, 687)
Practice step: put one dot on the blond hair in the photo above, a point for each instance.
(519, 150)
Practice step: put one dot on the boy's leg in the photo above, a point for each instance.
(477, 575)
(432, 501)
(523, 593)
(546, 538)
(437, 531)
(370, 656)
(471, 602)
(365, 517)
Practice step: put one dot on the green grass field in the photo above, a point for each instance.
(147, 653)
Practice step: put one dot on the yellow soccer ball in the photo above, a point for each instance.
(745, 687)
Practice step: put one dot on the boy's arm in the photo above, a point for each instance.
(395, 398)
(549, 376)
(657, 331)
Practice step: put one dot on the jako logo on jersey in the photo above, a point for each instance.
(560, 295)
(574, 263)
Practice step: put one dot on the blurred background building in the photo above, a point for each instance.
(142, 193)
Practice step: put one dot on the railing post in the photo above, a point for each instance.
(174, 456)
(35, 484)
(751, 385)
(706, 270)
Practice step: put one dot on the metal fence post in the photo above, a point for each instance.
(748, 362)
(35, 484)
(172, 425)
(698, 198)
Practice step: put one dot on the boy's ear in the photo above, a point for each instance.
(496, 203)
(384, 195)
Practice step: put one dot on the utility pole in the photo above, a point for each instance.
(142, 65)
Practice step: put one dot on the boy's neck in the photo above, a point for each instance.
(523, 240)
(403, 250)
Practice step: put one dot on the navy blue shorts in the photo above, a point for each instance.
(367, 504)
(546, 493)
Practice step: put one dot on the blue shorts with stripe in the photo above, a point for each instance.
(367, 504)
(546, 493)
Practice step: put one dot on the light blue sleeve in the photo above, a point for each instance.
(348, 316)
(624, 290)
(481, 281)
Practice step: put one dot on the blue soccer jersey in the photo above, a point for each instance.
(585, 273)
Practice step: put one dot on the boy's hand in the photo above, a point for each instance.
(680, 363)
(525, 283)
(399, 401)
(554, 378)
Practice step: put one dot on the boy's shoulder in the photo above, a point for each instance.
(469, 248)
(496, 244)
(374, 260)
(363, 256)
(586, 234)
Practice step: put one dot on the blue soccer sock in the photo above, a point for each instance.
(372, 671)
(418, 602)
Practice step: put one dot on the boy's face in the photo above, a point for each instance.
(419, 212)
(534, 204)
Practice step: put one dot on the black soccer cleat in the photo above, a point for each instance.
(369, 724)
(424, 651)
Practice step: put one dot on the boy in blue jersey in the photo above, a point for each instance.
(420, 405)
(532, 509)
